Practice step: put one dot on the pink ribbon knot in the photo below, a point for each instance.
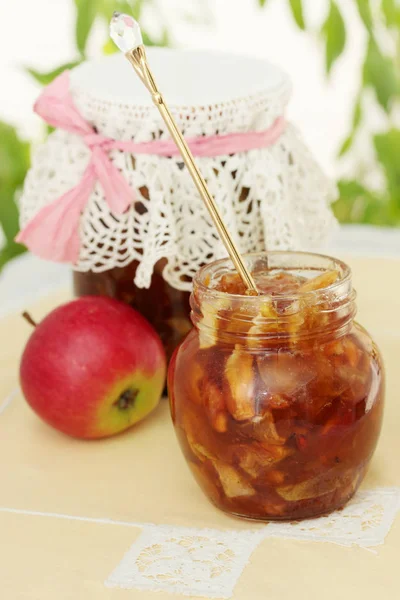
(53, 233)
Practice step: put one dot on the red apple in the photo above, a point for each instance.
(93, 367)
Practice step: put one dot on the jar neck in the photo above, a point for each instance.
(320, 314)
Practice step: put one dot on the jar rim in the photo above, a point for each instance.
(199, 280)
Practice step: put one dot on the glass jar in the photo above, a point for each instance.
(165, 307)
(277, 400)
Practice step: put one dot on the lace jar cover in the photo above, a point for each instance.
(274, 197)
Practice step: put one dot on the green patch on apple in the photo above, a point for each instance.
(129, 402)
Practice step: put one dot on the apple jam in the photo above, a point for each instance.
(165, 307)
(277, 400)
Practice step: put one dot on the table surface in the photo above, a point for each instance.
(70, 510)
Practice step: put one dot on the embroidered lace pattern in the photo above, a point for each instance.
(208, 563)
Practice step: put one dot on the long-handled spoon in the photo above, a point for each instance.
(126, 34)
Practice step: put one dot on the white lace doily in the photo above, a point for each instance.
(209, 563)
(275, 197)
(192, 562)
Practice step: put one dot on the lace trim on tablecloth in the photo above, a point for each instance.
(209, 563)
(364, 522)
(199, 562)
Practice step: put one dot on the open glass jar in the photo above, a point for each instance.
(277, 400)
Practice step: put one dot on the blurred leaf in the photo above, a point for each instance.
(109, 47)
(357, 204)
(262, 2)
(357, 116)
(150, 41)
(86, 15)
(364, 10)
(350, 193)
(298, 13)
(165, 39)
(14, 157)
(107, 8)
(380, 73)
(391, 12)
(46, 78)
(347, 144)
(334, 30)
(387, 146)
(357, 112)
(9, 252)
(14, 163)
(8, 212)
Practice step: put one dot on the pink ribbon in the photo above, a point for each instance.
(53, 233)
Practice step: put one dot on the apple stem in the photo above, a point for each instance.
(28, 318)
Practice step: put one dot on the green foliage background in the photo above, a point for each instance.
(380, 74)
(380, 79)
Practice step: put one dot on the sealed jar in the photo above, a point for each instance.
(143, 242)
(277, 400)
(164, 306)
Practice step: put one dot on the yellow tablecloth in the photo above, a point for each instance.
(47, 480)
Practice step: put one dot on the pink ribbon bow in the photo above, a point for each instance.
(53, 233)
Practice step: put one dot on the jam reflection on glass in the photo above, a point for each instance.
(165, 307)
(277, 401)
